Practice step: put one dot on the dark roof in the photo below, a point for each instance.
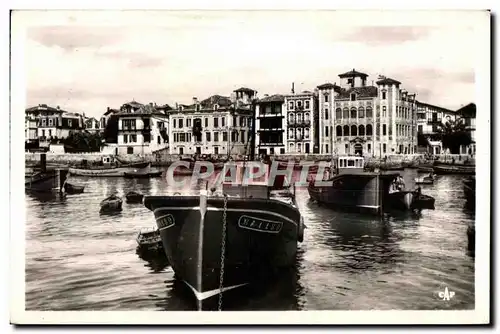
(434, 106)
(164, 107)
(388, 81)
(468, 111)
(222, 101)
(272, 98)
(245, 90)
(352, 73)
(45, 108)
(327, 86)
(111, 111)
(133, 104)
(366, 91)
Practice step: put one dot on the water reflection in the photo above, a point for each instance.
(156, 260)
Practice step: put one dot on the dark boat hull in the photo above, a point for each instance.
(455, 169)
(261, 235)
(73, 189)
(359, 192)
(139, 175)
(409, 200)
(46, 182)
(133, 197)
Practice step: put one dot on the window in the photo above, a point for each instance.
(216, 123)
(125, 139)
(326, 97)
(181, 150)
(242, 136)
(369, 146)
(299, 104)
(346, 130)
(50, 121)
(206, 122)
(326, 148)
(70, 122)
(339, 131)
(307, 104)
(384, 111)
(50, 133)
(369, 130)
(369, 112)
(354, 130)
(291, 105)
(353, 113)
(326, 113)
(188, 122)
(133, 138)
(353, 97)
(216, 136)
(181, 125)
(224, 135)
(361, 130)
(208, 136)
(338, 113)
(242, 121)
(345, 113)
(282, 150)
(384, 95)
(130, 150)
(361, 112)
(158, 140)
(384, 148)
(223, 121)
(420, 128)
(384, 130)
(44, 122)
(175, 123)
(326, 131)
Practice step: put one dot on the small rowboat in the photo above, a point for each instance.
(149, 240)
(73, 189)
(134, 197)
(112, 203)
(427, 179)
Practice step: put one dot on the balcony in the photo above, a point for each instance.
(301, 123)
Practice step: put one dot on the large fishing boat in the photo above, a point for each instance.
(350, 186)
(228, 236)
(108, 167)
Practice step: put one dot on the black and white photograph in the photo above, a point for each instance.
(257, 161)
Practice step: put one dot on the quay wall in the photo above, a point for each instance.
(167, 159)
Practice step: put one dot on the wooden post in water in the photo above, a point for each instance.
(43, 162)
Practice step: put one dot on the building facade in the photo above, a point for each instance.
(30, 129)
(368, 120)
(142, 129)
(218, 125)
(467, 115)
(302, 123)
(430, 116)
(92, 125)
(54, 123)
(271, 125)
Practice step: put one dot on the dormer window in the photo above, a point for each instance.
(216, 106)
(70, 122)
(353, 97)
(326, 97)
(198, 107)
(384, 95)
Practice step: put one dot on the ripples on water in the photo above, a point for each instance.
(77, 259)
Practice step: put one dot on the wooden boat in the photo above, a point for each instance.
(409, 200)
(427, 179)
(149, 240)
(112, 203)
(470, 190)
(46, 181)
(73, 189)
(441, 168)
(425, 169)
(108, 168)
(351, 187)
(134, 197)
(143, 173)
(229, 238)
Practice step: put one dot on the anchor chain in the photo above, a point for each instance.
(223, 251)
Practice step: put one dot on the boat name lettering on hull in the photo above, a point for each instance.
(259, 224)
(165, 221)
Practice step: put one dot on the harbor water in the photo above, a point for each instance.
(77, 259)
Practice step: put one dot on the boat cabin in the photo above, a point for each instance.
(107, 160)
(250, 179)
(350, 164)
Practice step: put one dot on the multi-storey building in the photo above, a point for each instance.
(368, 120)
(218, 125)
(30, 129)
(467, 114)
(302, 122)
(92, 125)
(430, 116)
(271, 125)
(54, 123)
(142, 129)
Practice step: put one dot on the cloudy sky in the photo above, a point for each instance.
(87, 61)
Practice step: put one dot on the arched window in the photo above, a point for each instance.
(306, 133)
(353, 112)
(291, 117)
(306, 117)
(291, 133)
(339, 131)
(345, 114)
(338, 113)
(292, 148)
(369, 112)
(354, 130)
(369, 130)
(361, 130)
(361, 112)
(299, 147)
(299, 118)
(346, 130)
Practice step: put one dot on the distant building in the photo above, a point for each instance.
(271, 125)
(142, 129)
(54, 123)
(368, 120)
(92, 125)
(467, 114)
(302, 123)
(217, 125)
(30, 129)
(430, 116)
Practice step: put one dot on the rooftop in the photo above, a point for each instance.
(362, 92)
(245, 90)
(468, 111)
(388, 81)
(353, 73)
(272, 98)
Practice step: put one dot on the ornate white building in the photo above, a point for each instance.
(218, 125)
(369, 120)
(301, 112)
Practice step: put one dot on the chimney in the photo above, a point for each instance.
(293, 87)
(107, 109)
(176, 105)
(58, 108)
(195, 100)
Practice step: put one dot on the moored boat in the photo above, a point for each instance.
(426, 179)
(227, 239)
(134, 197)
(46, 181)
(73, 189)
(442, 168)
(149, 240)
(425, 169)
(143, 173)
(112, 203)
(108, 167)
